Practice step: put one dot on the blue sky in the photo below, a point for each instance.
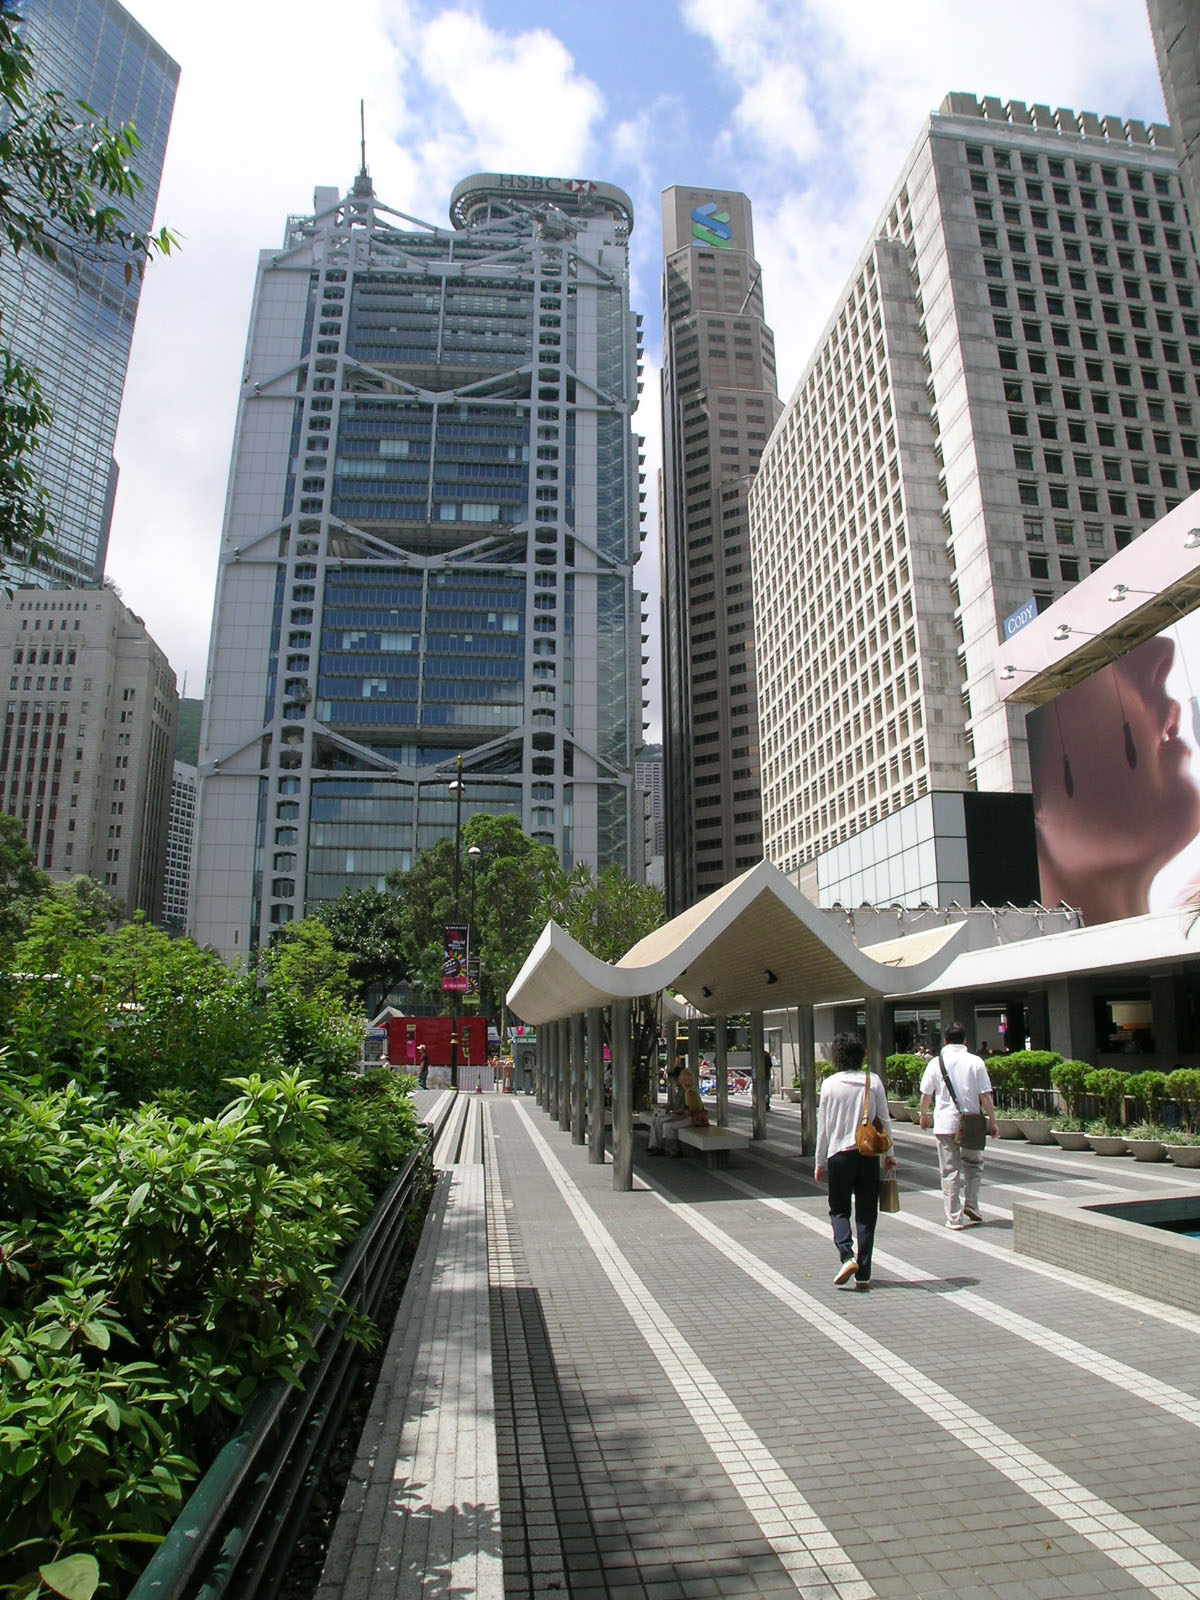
(809, 106)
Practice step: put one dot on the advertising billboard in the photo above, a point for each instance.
(454, 960)
(1115, 762)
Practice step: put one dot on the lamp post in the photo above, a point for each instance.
(456, 789)
(473, 855)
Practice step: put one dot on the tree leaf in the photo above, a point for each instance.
(76, 1577)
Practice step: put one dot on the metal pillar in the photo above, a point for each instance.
(578, 1108)
(595, 1055)
(693, 1050)
(875, 1041)
(722, 1065)
(564, 1074)
(552, 1068)
(806, 1066)
(539, 1066)
(758, 1074)
(622, 1065)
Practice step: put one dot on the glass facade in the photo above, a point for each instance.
(449, 564)
(73, 319)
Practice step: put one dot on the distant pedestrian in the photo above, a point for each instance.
(422, 1067)
(956, 1083)
(853, 1177)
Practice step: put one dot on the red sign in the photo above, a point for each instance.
(454, 960)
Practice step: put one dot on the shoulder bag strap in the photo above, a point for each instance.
(949, 1085)
(866, 1110)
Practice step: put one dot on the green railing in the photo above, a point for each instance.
(236, 1534)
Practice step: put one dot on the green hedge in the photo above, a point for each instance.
(183, 1160)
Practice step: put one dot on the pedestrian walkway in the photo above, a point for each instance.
(661, 1395)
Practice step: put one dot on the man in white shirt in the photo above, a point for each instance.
(955, 1081)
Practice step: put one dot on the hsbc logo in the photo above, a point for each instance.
(520, 180)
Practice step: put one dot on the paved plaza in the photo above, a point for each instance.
(661, 1394)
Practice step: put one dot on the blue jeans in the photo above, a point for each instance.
(854, 1178)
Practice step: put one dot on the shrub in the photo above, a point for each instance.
(1068, 1078)
(1148, 1089)
(902, 1073)
(1108, 1086)
(1031, 1068)
(1183, 1086)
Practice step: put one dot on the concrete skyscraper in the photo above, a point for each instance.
(431, 524)
(72, 319)
(1004, 395)
(719, 403)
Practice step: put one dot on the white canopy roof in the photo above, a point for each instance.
(754, 945)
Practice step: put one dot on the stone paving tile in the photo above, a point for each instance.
(608, 1482)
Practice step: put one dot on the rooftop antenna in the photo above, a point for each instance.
(362, 129)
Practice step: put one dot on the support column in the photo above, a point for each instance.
(722, 1065)
(1164, 1019)
(693, 1050)
(540, 1047)
(947, 1014)
(578, 1104)
(622, 1070)
(1072, 1019)
(875, 1044)
(552, 1069)
(564, 1074)
(595, 1053)
(807, 1068)
(758, 1075)
(672, 1031)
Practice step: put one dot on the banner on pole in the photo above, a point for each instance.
(454, 960)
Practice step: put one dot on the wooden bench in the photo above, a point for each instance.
(716, 1143)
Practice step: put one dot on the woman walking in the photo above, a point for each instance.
(853, 1177)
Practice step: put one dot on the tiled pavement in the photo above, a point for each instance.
(680, 1403)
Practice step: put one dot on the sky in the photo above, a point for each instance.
(808, 106)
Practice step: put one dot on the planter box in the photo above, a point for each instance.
(1185, 1155)
(1070, 1139)
(1107, 1144)
(1036, 1129)
(898, 1111)
(1146, 1149)
(1009, 1128)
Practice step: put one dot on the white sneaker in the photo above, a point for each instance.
(845, 1272)
(956, 1223)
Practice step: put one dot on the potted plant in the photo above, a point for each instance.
(1068, 1080)
(1031, 1070)
(793, 1093)
(1108, 1086)
(1147, 1090)
(1183, 1087)
(901, 1075)
(1005, 1077)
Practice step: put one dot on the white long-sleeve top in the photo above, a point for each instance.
(839, 1112)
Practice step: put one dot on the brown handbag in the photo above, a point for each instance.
(870, 1138)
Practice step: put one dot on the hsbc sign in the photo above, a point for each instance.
(517, 180)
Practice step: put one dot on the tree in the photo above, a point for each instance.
(63, 177)
(372, 929)
(20, 880)
(607, 914)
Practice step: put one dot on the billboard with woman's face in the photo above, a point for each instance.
(1115, 762)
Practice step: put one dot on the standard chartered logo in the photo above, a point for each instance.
(711, 227)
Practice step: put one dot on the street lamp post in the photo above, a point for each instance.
(456, 789)
(473, 855)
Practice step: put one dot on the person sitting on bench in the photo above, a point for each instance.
(688, 1109)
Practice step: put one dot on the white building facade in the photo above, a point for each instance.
(432, 519)
(181, 824)
(85, 755)
(1005, 395)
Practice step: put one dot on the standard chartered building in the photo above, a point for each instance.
(432, 518)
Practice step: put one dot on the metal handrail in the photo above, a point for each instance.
(266, 1473)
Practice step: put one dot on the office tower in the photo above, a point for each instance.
(72, 319)
(85, 762)
(430, 528)
(1175, 26)
(177, 876)
(648, 772)
(1004, 395)
(719, 403)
